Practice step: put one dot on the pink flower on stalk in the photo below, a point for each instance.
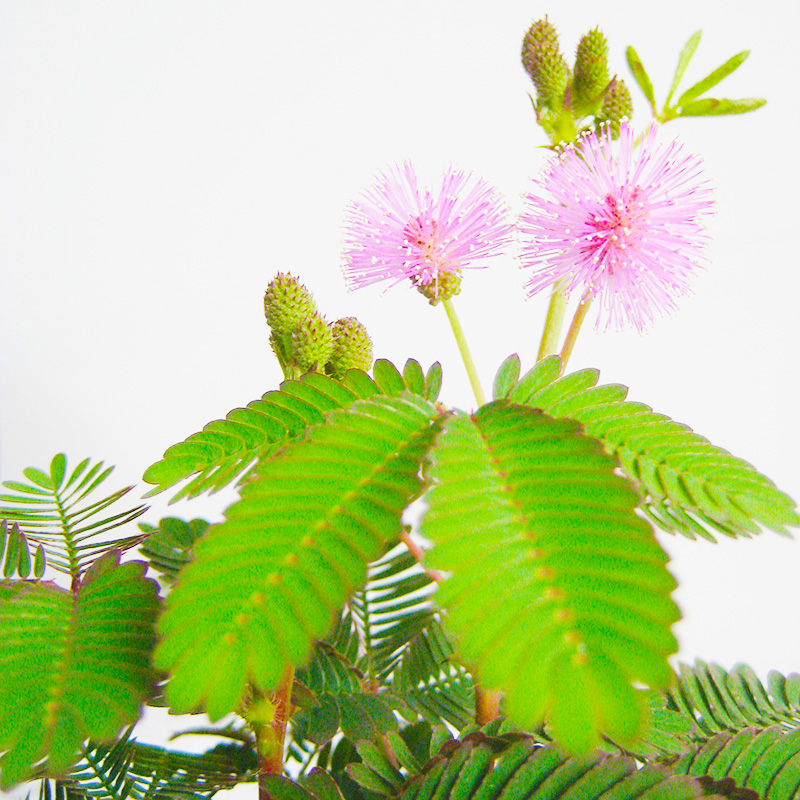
(621, 222)
(396, 230)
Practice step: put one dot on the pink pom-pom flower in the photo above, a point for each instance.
(396, 230)
(622, 223)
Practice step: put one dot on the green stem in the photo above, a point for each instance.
(553, 323)
(574, 329)
(466, 356)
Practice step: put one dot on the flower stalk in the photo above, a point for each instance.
(466, 356)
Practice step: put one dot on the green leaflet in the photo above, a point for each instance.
(339, 701)
(404, 645)
(559, 592)
(168, 545)
(73, 665)
(716, 700)
(688, 485)
(129, 769)
(765, 761)
(225, 449)
(58, 517)
(295, 547)
(513, 766)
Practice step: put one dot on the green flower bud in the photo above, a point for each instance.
(446, 285)
(352, 347)
(286, 303)
(544, 63)
(591, 68)
(617, 105)
(312, 344)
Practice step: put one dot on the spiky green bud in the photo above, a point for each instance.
(286, 303)
(352, 347)
(446, 285)
(591, 68)
(312, 343)
(544, 63)
(617, 105)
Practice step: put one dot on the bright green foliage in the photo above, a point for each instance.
(73, 665)
(641, 76)
(719, 701)
(559, 593)
(128, 769)
(511, 766)
(688, 104)
(404, 645)
(15, 553)
(294, 547)
(57, 517)
(683, 62)
(168, 545)
(687, 485)
(341, 701)
(765, 761)
(225, 450)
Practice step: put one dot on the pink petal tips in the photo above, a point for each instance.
(396, 230)
(621, 222)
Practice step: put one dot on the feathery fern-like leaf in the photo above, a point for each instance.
(58, 517)
(295, 547)
(717, 701)
(511, 766)
(129, 769)
(688, 485)
(225, 450)
(74, 665)
(404, 645)
(559, 592)
(764, 761)
(341, 701)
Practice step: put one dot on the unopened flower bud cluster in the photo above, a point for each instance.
(566, 99)
(304, 341)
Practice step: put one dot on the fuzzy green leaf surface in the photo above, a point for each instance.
(225, 450)
(559, 592)
(687, 485)
(73, 665)
(272, 578)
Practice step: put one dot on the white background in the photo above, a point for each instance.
(160, 161)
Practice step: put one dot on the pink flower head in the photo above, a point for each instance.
(619, 221)
(395, 230)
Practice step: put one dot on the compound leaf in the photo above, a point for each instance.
(74, 665)
(713, 78)
(226, 450)
(687, 485)
(559, 592)
(295, 547)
